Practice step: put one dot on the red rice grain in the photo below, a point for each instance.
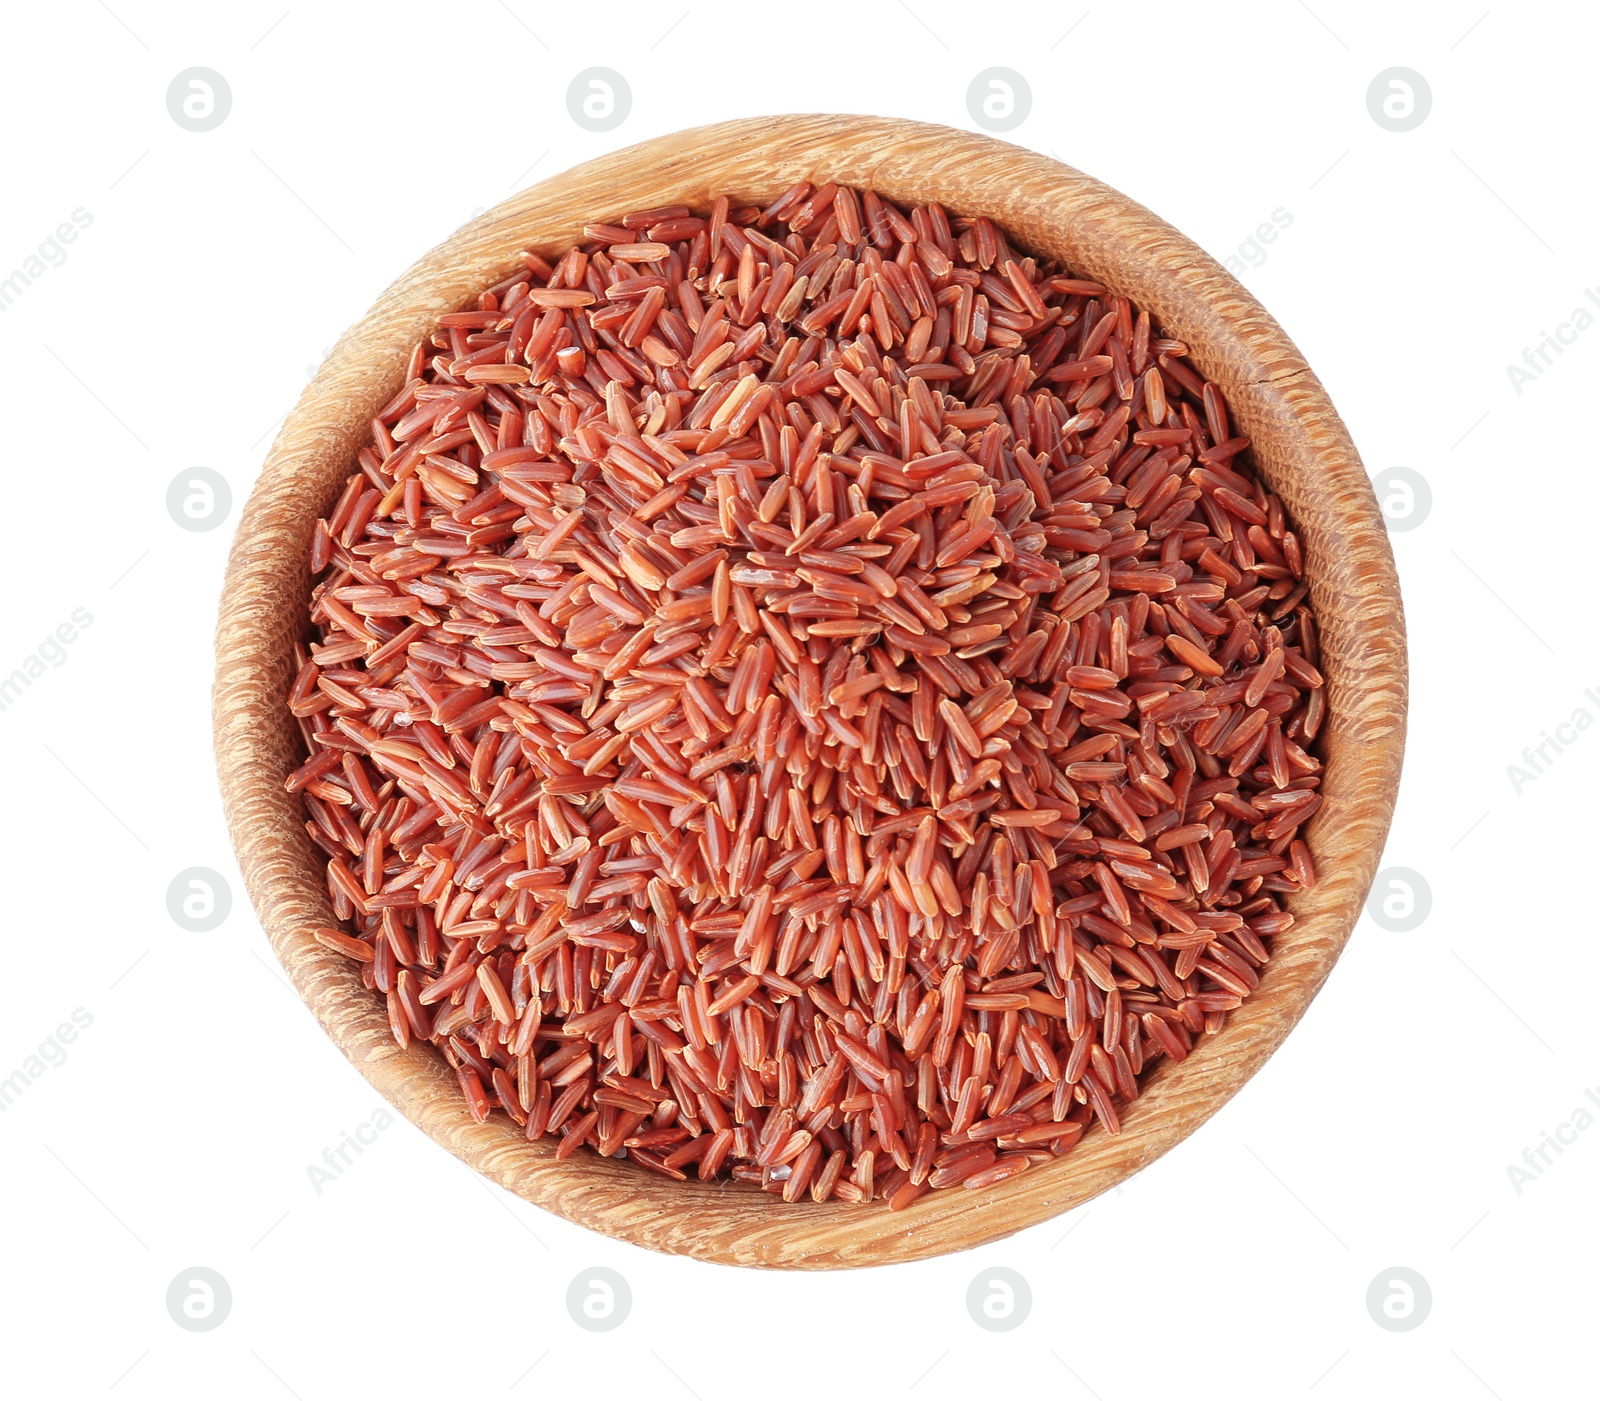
(811, 695)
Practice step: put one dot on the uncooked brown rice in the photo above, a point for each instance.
(808, 694)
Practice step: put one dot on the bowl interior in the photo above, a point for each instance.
(1299, 446)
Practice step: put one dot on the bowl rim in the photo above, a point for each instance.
(1301, 448)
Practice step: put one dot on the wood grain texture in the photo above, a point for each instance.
(1301, 448)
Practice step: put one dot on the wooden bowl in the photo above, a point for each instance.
(1300, 446)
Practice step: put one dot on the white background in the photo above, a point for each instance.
(185, 320)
